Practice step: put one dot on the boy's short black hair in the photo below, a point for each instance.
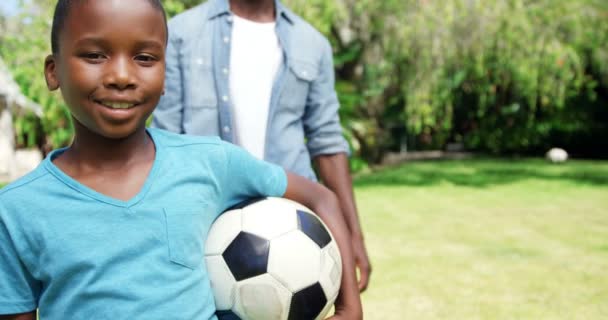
(62, 10)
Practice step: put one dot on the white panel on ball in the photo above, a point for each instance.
(261, 297)
(331, 271)
(223, 231)
(295, 260)
(222, 282)
(270, 219)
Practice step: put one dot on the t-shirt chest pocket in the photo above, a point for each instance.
(186, 234)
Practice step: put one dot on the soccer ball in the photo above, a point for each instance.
(557, 155)
(272, 258)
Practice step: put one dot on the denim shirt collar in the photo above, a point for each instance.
(221, 7)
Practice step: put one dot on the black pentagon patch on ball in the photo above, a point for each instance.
(307, 303)
(245, 203)
(226, 315)
(313, 228)
(247, 256)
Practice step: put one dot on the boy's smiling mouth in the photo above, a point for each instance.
(117, 104)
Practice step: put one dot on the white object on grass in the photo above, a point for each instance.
(556, 155)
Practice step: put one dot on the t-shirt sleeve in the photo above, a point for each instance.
(18, 289)
(248, 177)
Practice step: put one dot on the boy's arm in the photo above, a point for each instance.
(21, 316)
(335, 174)
(324, 203)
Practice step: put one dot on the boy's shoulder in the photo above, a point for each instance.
(166, 138)
(24, 187)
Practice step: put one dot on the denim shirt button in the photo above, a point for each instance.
(199, 61)
(225, 70)
(226, 129)
(225, 98)
(226, 39)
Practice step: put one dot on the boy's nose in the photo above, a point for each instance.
(120, 74)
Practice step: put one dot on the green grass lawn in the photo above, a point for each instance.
(487, 239)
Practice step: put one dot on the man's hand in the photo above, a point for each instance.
(361, 261)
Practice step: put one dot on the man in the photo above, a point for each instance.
(259, 76)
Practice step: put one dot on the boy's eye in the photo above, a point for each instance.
(145, 58)
(93, 56)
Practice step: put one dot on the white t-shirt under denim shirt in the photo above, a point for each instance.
(255, 58)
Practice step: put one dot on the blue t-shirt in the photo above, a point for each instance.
(77, 254)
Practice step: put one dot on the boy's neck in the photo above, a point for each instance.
(94, 151)
(254, 10)
(117, 168)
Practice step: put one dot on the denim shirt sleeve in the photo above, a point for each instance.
(169, 112)
(321, 119)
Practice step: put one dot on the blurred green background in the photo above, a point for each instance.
(496, 76)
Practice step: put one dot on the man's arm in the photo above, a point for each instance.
(169, 112)
(328, 148)
(335, 174)
(21, 316)
(324, 203)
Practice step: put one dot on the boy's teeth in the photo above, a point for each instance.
(118, 105)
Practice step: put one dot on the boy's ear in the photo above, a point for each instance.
(50, 73)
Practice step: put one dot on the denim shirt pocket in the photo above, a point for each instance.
(186, 234)
(297, 82)
(199, 84)
(201, 112)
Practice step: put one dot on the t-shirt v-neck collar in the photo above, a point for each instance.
(79, 187)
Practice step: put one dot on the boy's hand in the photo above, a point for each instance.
(343, 312)
(349, 317)
(361, 261)
(21, 316)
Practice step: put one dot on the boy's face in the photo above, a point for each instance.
(110, 65)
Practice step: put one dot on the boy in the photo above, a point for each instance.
(85, 235)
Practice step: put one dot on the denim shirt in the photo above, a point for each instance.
(303, 119)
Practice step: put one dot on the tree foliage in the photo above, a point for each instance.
(499, 76)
